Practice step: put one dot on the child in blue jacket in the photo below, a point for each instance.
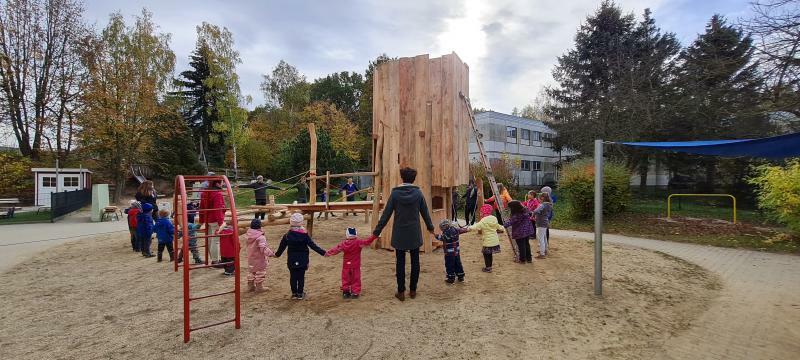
(144, 229)
(164, 233)
(193, 227)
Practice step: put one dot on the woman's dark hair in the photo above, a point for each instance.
(408, 175)
(516, 207)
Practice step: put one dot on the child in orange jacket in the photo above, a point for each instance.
(351, 263)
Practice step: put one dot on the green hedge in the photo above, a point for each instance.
(576, 182)
(779, 192)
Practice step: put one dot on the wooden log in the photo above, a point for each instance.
(377, 164)
(363, 173)
(312, 168)
(479, 186)
(327, 191)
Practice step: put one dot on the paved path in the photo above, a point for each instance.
(757, 315)
(19, 242)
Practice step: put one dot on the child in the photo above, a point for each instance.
(351, 262)
(258, 254)
(298, 242)
(521, 230)
(213, 216)
(488, 228)
(132, 211)
(193, 227)
(549, 191)
(227, 249)
(144, 229)
(191, 210)
(452, 250)
(324, 198)
(543, 213)
(165, 233)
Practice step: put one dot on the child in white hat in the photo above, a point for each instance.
(297, 242)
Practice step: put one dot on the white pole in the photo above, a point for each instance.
(57, 177)
(598, 217)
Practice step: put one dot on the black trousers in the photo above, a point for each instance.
(400, 270)
(161, 250)
(487, 260)
(524, 248)
(453, 267)
(134, 242)
(260, 215)
(229, 268)
(469, 214)
(454, 209)
(297, 280)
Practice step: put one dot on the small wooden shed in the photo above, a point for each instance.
(420, 121)
(50, 180)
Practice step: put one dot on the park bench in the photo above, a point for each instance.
(8, 207)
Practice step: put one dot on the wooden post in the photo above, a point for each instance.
(479, 186)
(377, 188)
(327, 192)
(312, 168)
(272, 199)
(367, 212)
(427, 160)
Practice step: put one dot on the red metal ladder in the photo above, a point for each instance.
(180, 203)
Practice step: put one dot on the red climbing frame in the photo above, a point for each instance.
(181, 222)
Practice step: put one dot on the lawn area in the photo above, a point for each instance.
(27, 217)
(694, 222)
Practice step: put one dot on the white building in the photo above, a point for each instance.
(50, 180)
(526, 143)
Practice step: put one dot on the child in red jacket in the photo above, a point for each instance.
(228, 246)
(351, 263)
(132, 211)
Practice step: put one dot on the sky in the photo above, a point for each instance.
(510, 46)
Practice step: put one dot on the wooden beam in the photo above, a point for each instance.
(376, 184)
(363, 173)
(327, 191)
(312, 168)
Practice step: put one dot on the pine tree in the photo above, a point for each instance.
(718, 92)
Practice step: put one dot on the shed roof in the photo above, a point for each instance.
(61, 170)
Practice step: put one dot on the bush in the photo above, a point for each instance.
(576, 182)
(16, 179)
(503, 169)
(779, 192)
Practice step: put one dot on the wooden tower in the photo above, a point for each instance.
(419, 121)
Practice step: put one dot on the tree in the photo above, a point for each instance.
(294, 155)
(610, 85)
(718, 90)
(129, 68)
(173, 150)
(40, 72)
(776, 28)
(286, 88)
(342, 89)
(211, 85)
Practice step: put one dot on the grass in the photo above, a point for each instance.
(27, 217)
(694, 222)
(245, 196)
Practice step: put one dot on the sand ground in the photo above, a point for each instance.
(94, 298)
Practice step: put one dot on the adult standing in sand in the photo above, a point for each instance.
(146, 194)
(407, 203)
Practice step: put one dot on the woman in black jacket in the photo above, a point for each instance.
(407, 204)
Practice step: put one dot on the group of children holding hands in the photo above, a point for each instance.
(528, 219)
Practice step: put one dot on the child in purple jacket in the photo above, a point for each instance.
(521, 230)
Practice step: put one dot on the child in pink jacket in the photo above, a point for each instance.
(258, 254)
(351, 264)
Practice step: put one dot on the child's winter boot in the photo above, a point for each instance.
(259, 287)
(251, 285)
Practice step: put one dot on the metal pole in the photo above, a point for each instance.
(598, 217)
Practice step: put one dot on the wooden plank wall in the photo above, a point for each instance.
(418, 112)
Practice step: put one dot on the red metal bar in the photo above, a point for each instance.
(201, 210)
(236, 271)
(203, 237)
(212, 295)
(210, 265)
(181, 186)
(210, 325)
(204, 190)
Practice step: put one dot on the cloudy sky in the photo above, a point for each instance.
(510, 46)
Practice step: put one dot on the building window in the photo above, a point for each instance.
(548, 137)
(537, 165)
(71, 181)
(511, 134)
(525, 165)
(537, 136)
(525, 137)
(49, 181)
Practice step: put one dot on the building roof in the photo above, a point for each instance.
(496, 116)
(61, 170)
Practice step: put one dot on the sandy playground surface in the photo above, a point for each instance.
(94, 298)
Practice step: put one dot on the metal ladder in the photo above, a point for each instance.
(182, 242)
(487, 167)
